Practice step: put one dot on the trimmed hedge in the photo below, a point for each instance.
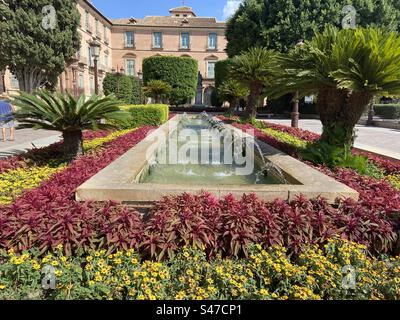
(221, 74)
(126, 88)
(181, 73)
(141, 115)
(388, 111)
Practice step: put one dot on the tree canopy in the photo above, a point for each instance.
(280, 24)
(37, 38)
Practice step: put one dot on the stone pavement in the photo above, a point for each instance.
(378, 140)
(26, 139)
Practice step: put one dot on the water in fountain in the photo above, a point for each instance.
(215, 172)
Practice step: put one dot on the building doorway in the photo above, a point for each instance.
(207, 95)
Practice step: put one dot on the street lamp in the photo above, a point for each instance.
(95, 51)
(295, 109)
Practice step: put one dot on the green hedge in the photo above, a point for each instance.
(142, 115)
(126, 88)
(388, 111)
(181, 73)
(221, 74)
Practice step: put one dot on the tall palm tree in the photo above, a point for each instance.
(346, 69)
(157, 90)
(232, 91)
(254, 69)
(43, 110)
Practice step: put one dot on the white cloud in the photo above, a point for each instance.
(230, 8)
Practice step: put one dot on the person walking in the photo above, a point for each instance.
(6, 119)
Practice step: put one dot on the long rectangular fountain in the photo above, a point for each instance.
(195, 153)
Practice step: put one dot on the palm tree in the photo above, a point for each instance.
(43, 110)
(232, 91)
(346, 69)
(254, 69)
(157, 90)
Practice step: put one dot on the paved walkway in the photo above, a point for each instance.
(26, 139)
(378, 140)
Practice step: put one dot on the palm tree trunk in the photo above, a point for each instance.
(340, 110)
(252, 101)
(233, 104)
(73, 144)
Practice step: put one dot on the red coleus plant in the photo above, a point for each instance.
(49, 215)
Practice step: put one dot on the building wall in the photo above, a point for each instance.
(78, 77)
(143, 46)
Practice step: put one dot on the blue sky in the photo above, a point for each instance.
(112, 9)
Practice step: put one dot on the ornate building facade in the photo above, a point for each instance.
(126, 42)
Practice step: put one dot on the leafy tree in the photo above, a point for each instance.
(280, 24)
(254, 69)
(157, 90)
(346, 68)
(181, 73)
(126, 88)
(232, 91)
(36, 39)
(43, 110)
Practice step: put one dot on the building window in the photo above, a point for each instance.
(96, 24)
(90, 57)
(157, 40)
(105, 34)
(130, 67)
(185, 40)
(129, 39)
(81, 81)
(212, 41)
(106, 60)
(210, 69)
(87, 20)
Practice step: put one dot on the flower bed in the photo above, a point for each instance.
(266, 274)
(48, 215)
(44, 154)
(29, 174)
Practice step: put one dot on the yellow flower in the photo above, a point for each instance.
(58, 273)
(2, 286)
(189, 272)
(54, 263)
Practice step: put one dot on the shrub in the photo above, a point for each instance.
(179, 72)
(157, 90)
(388, 111)
(126, 88)
(151, 114)
(221, 75)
